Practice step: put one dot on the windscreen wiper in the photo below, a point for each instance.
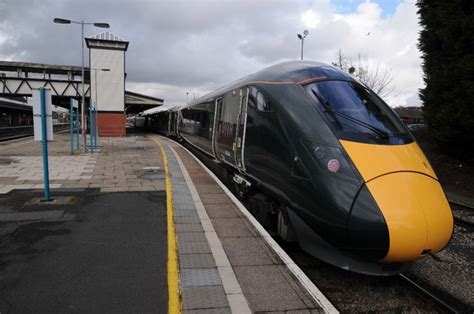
(384, 135)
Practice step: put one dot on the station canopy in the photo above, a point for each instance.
(62, 79)
(135, 103)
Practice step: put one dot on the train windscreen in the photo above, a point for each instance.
(356, 113)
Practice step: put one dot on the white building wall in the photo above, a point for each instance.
(110, 92)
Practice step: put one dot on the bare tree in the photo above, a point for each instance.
(376, 76)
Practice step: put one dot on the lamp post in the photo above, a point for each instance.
(82, 23)
(302, 37)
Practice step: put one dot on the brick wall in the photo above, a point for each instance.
(111, 124)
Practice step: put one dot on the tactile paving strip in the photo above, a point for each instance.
(189, 228)
(199, 277)
(187, 220)
(200, 282)
(196, 261)
(194, 247)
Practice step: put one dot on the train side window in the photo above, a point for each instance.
(263, 104)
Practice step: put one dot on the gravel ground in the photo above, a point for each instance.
(451, 271)
(351, 292)
(463, 213)
(449, 274)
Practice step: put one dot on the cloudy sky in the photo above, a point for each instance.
(197, 46)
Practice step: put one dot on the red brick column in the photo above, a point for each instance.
(111, 123)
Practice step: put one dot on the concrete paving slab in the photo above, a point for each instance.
(204, 298)
(232, 227)
(208, 189)
(214, 198)
(222, 211)
(247, 251)
(105, 169)
(266, 291)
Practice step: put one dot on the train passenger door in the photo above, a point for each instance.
(240, 132)
(215, 126)
(170, 123)
(228, 115)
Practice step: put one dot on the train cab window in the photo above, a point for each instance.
(263, 104)
(357, 114)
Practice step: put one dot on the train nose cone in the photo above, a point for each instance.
(416, 212)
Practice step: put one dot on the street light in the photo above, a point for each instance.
(58, 20)
(302, 37)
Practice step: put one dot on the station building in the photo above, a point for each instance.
(104, 86)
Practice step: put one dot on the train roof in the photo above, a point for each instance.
(290, 72)
(167, 107)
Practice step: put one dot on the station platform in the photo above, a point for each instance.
(141, 226)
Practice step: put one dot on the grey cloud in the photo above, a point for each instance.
(183, 45)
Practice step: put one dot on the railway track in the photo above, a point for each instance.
(13, 133)
(446, 303)
(351, 292)
(460, 213)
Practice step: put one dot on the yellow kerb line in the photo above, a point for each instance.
(174, 295)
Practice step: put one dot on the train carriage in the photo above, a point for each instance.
(322, 160)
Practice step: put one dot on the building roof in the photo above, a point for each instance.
(39, 67)
(107, 40)
(12, 104)
(107, 36)
(135, 102)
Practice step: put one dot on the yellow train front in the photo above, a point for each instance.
(406, 190)
(368, 181)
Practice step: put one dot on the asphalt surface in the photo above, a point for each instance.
(107, 254)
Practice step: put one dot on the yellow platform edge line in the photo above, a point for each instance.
(174, 294)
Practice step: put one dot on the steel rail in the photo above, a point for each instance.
(459, 221)
(446, 305)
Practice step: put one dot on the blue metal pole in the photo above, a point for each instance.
(96, 128)
(93, 128)
(44, 140)
(71, 124)
(78, 128)
(90, 127)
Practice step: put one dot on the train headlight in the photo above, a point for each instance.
(332, 160)
(319, 152)
(334, 165)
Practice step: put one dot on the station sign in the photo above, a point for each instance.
(35, 102)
